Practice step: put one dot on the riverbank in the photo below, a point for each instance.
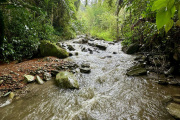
(12, 74)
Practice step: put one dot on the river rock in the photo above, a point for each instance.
(50, 49)
(163, 82)
(85, 70)
(54, 72)
(1, 81)
(39, 80)
(170, 71)
(29, 78)
(174, 110)
(133, 48)
(84, 41)
(85, 65)
(101, 46)
(67, 80)
(176, 98)
(11, 95)
(136, 70)
(70, 47)
(47, 76)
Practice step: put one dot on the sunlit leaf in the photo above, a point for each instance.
(170, 4)
(173, 10)
(169, 25)
(162, 18)
(159, 4)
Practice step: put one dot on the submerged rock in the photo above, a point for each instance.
(174, 110)
(85, 70)
(29, 78)
(50, 49)
(70, 47)
(85, 65)
(67, 80)
(136, 70)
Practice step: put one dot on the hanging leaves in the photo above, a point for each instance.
(165, 11)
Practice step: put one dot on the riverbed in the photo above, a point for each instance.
(106, 93)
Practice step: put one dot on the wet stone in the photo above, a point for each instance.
(70, 48)
(39, 80)
(85, 70)
(29, 78)
(85, 65)
(176, 98)
(162, 82)
(47, 76)
(54, 72)
(1, 81)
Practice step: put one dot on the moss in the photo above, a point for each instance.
(50, 49)
(66, 80)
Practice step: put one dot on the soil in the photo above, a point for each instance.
(12, 74)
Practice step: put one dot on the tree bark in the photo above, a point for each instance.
(119, 3)
(1, 28)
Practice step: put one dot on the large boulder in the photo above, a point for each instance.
(174, 110)
(133, 48)
(136, 70)
(50, 49)
(66, 79)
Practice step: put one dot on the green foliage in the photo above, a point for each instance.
(165, 12)
(100, 21)
(28, 22)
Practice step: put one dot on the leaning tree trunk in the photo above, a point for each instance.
(1, 28)
(119, 3)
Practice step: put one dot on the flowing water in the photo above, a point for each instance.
(105, 94)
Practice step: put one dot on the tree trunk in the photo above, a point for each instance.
(1, 28)
(86, 3)
(117, 22)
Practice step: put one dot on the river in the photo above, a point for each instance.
(105, 94)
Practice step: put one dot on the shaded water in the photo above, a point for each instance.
(105, 94)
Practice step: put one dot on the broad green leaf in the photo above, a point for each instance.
(170, 4)
(159, 4)
(173, 10)
(178, 23)
(162, 17)
(169, 25)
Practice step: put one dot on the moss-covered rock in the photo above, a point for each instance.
(50, 49)
(136, 70)
(66, 80)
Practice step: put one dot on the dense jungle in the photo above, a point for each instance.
(90, 59)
